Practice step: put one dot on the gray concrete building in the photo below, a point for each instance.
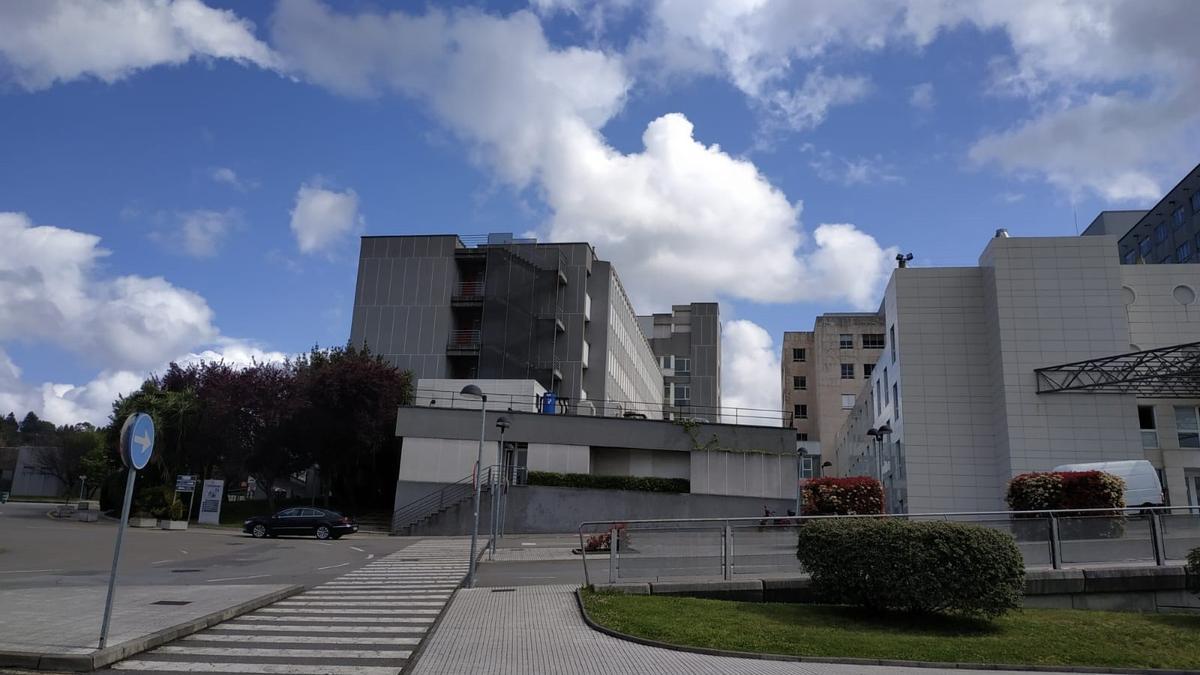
(495, 307)
(1049, 352)
(687, 343)
(1167, 233)
(823, 371)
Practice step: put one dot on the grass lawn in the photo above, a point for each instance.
(1033, 636)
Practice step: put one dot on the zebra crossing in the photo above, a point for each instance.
(365, 622)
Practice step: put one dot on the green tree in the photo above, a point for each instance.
(10, 430)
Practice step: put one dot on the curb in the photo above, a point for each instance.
(81, 663)
(892, 663)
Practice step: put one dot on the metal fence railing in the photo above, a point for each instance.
(732, 548)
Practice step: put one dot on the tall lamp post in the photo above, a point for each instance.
(874, 434)
(472, 391)
(800, 453)
(882, 431)
(502, 424)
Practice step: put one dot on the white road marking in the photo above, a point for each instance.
(325, 543)
(355, 548)
(26, 571)
(348, 630)
(293, 653)
(337, 619)
(159, 562)
(329, 567)
(267, 668)
(183, 551)
(372, 612)
(321, 604)
(305, 639)
(253, 576)
(529, 543)
(370, 555)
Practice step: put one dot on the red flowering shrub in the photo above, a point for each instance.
(1041, 491)
(842, 496)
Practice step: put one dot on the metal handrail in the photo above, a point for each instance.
(1051, 516)
(469, 289)
(446, 496)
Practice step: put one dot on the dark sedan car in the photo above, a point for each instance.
(325, 524)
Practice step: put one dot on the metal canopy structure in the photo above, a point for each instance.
(1166, 372)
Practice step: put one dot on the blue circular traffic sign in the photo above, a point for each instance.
(137, 440)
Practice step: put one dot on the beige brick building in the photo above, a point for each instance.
(823, 371)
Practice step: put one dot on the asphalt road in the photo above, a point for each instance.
(38, 551)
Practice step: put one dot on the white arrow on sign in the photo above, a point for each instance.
(143, 440)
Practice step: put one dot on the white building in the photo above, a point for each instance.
(957, 385)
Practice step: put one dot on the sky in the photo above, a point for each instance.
(185, 180)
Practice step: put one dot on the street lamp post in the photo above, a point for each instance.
(800, 453)
(502, 424)
(472, 391)
(874, 434)
(883, 431)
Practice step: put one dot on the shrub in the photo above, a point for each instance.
(946, 567)
(586, 480)
(603, 541)
(1042, 491)
(842, 496)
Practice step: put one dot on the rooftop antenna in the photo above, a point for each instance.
(1075, 215)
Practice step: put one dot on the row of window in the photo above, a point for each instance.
(869, 341)
(1187, 426)
(848, 372)
(1183, 253)
(678, 394)
(681, 365)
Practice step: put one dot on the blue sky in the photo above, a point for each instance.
(774, 157)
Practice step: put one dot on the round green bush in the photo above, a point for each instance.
(892, 564)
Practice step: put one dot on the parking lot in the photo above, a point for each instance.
(37, 550)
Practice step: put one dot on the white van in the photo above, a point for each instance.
(1142, 487)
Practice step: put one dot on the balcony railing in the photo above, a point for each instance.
(468, 291)
(463, 341)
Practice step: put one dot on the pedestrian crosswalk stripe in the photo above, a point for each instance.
(244, 667)
(208, 636)
(302, 653)
(348, 630)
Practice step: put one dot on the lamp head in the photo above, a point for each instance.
(503, 424)
(872, 432)
(884, 430)
(473, 391)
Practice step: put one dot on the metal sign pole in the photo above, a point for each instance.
(112, 577)
(191, 501)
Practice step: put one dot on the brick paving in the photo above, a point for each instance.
(538, 629)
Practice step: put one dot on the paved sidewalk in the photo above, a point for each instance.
(538, 629)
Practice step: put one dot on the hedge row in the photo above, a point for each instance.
(890, 564)
(842, 496)
(1066, 490)
(585, 480)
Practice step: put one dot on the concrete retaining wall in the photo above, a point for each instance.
(540, 509)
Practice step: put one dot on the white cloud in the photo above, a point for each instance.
(1090, 68)
(49, 290)
(679, 218)
(857, 171)
(807, 107)
(51, 41)
(227, 176)
(200, 233)
(921, 97)
(750, 372)
(322, 217)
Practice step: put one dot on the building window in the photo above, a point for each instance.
(683, 394)
(798, 355)
(878, 400)
(1184, 252)
(666, 362)
(800, 411)
(1145, 246)
(683, 366)
(1130, 257)
(868, 368)
(892, 342)
(847, 371)
(1160, 233)
(667, 391)
(1187, 424)
(896, 397)
(799, 382)
(1177, 216)
(801, 435)
(1196, 202)
(847, 401)
(846, 341)
(885, 386)
(1147, 425)
(873, 341)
